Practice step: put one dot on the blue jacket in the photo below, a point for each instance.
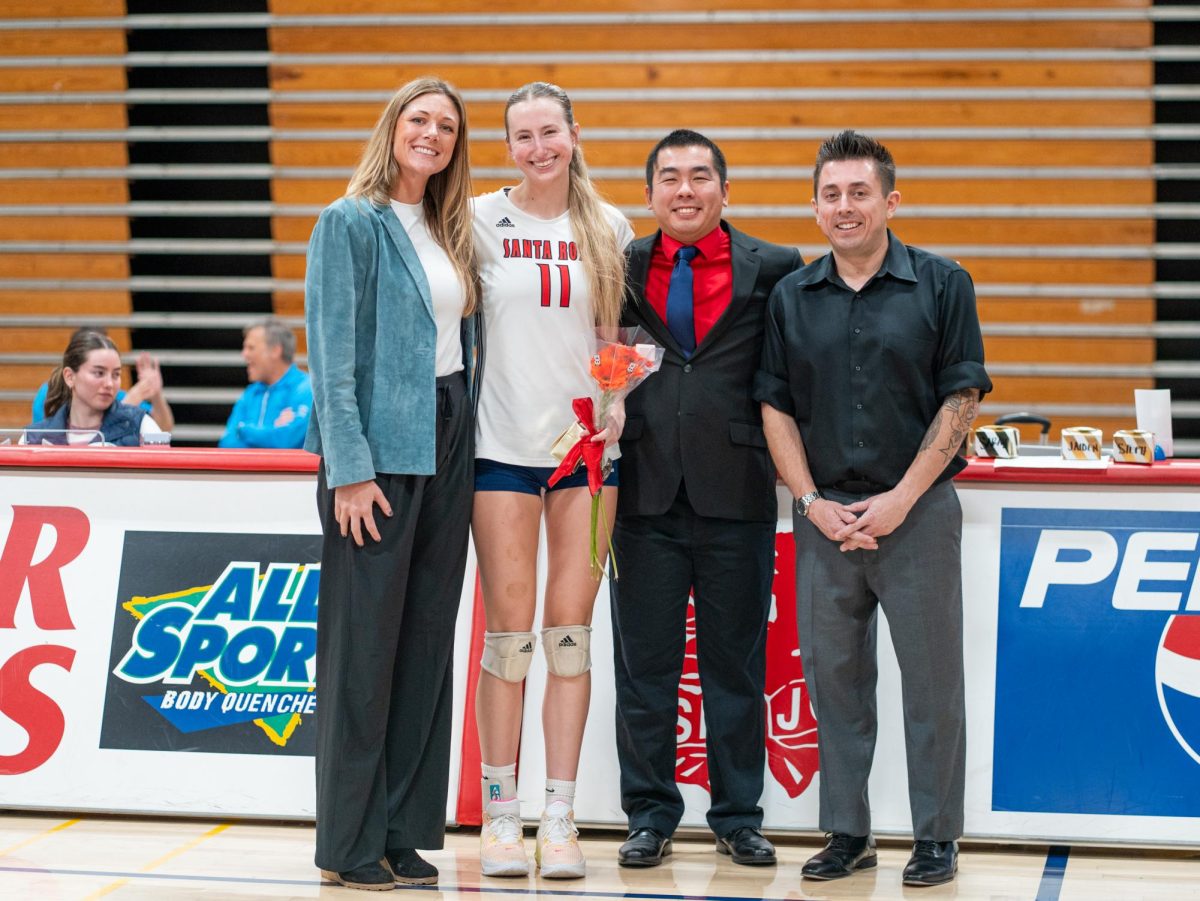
(372, 344)
(252, 421)
(122, 425)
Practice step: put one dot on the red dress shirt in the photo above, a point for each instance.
(712, 278)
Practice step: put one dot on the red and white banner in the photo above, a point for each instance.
(157, 626)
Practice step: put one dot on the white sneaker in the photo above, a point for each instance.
(557, 850)
(501, 840)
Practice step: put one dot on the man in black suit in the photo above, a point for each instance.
(697, 507)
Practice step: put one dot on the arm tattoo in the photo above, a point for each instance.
(931, 432)
(958, 411)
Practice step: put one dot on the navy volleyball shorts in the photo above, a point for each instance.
(491, 475)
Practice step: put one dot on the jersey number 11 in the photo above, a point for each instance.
(564, 284)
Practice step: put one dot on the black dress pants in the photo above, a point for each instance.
(385, 643)
(728, 564)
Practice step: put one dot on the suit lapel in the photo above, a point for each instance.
(638, 270)
(745, 261)
(408, 254)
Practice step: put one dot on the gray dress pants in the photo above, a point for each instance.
(385, 643)
(916, 577)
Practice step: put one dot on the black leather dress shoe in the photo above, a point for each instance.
(747, 846)
(374, 877)
(645, 848)
(842, 855)
(410, 868)
(932, 863)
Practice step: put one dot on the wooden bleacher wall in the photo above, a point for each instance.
(1024, 135)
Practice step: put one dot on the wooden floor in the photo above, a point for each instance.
(52, 858)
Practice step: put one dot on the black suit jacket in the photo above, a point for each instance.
(696, 420)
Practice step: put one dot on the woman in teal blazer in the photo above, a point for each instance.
(390, 299)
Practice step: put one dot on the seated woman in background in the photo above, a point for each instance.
(83, 397)
(147, 392)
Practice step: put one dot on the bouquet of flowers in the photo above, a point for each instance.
(622, 359)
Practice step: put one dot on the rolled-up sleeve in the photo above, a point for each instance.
(771, 383)
(960, 360)
(332, 286)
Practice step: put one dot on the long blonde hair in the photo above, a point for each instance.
(447, 199)
(603, 259)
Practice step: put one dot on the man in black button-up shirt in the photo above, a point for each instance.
(871, 377)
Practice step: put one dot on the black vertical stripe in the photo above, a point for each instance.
(1177, 190)
(229, 153)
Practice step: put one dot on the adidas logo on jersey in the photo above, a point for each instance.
(567, 642)
(526, 648)
(505, 223)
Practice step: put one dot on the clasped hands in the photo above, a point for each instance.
(860, 525)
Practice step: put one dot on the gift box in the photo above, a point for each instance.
(1081, 443)
(570, 436)
(1133, 446)
(997, 441)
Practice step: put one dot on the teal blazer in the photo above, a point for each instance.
(371, 346)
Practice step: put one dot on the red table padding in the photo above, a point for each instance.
(1163, 472)
(206, 459)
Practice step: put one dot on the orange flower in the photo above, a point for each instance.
(617, 366)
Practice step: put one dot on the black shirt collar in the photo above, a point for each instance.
(896, 263)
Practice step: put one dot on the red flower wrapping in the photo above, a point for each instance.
(585, 449)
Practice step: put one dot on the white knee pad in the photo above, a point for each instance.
(507, 655)
(568, 650)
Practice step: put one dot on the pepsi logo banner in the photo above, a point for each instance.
(1098, 663)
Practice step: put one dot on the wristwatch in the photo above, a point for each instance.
(803, 504)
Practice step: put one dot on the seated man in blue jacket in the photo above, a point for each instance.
(274, 410)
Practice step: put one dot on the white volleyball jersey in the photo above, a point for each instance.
(539, 326)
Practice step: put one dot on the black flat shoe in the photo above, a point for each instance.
(373, 877)
(842, 855)
(410, 869)
(932, 863)
(644, 848)
(747, 846)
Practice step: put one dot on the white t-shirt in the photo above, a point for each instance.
(539, 326)
(445, 288)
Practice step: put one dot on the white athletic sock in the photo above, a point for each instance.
(561, 791)
(500, 783)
